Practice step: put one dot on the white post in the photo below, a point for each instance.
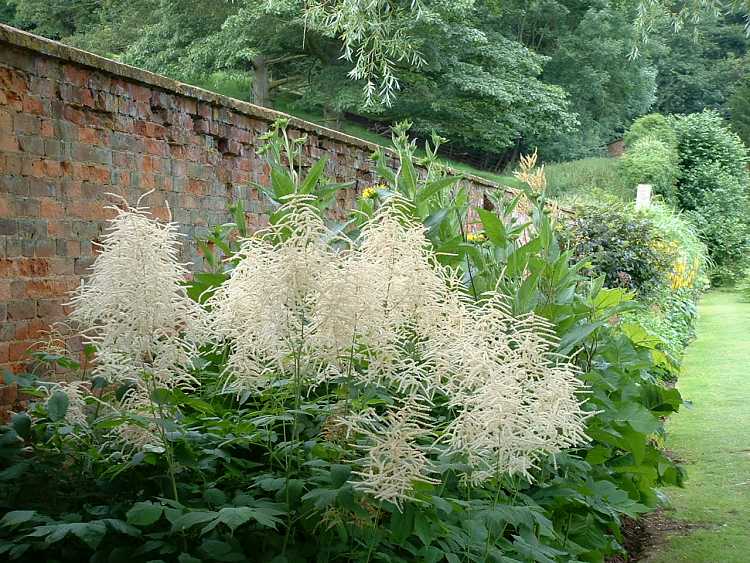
(643, 196)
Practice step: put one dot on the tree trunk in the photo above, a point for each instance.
(261, 82)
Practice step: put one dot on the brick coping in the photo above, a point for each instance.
(25, 40)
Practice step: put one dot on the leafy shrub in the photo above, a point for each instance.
(651, 161)
(720, 213)
(293, 438)
(704, 139)
(667, 263)
(713, 187)
(622, 245)
(653, 125)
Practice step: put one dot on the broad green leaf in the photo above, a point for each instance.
(232, 517)
(17, 517)
(340, 474)
(144, 513)
(57, 406)
(493, 227)
(21, 423)
(435, 187)
(190, 519)
(313, 176)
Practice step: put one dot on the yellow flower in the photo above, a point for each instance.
(477, 238)
(369, 193)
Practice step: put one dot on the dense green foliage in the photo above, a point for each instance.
(713, 187)
(624, 246)
(496, 78)
(739, 109)
(701, 69)
(697, 163)
(586, 178)
(655, 252)
(264, 476)
(651, 161)
(654, 125)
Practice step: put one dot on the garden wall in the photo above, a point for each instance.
(75, 126)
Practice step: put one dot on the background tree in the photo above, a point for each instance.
(739, 109)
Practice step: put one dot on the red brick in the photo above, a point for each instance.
(5, 206)
(5, 290)
(74, 115)
(40, 289)
(99, 174)
(139, 93)
(8, 268)
(56, 229)
(197, 187)
(51, 209)
(47, 128)
(13, 163)
(155, 130)
(33, 329)
(76, 75)
(156, 147)
(32, 267)
(8, 143)
(73, 248)
(21, 310)
(88, 135)
(52, 169)
(33, 105)
(151, 164)
(87, 98)
(19, 351)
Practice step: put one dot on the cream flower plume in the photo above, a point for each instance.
(133, 308)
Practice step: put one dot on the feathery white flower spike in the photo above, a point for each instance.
(133, 308)
(394, 456)
(381, 311)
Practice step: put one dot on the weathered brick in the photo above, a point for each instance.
(31, 144)
(19, 310)
(70, 133)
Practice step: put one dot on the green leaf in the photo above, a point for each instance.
(321, 498)
(17, 517)
(187, 558)
(430, 554)
(57, 406)
(231, 517)
(402, 524)
(144, 513)
(162, 396)
(493, 227)
(435, 187)
(214, 496)
(281, 181)
(190, 519)
(340, 474)
(313, 176)
(121, 527)
(21, 423)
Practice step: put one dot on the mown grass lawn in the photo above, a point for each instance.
(713, 439)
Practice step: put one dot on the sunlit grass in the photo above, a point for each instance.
(712, 437)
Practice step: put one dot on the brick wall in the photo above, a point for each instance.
(74, 126)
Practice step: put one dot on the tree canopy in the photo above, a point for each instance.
(563, 76)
